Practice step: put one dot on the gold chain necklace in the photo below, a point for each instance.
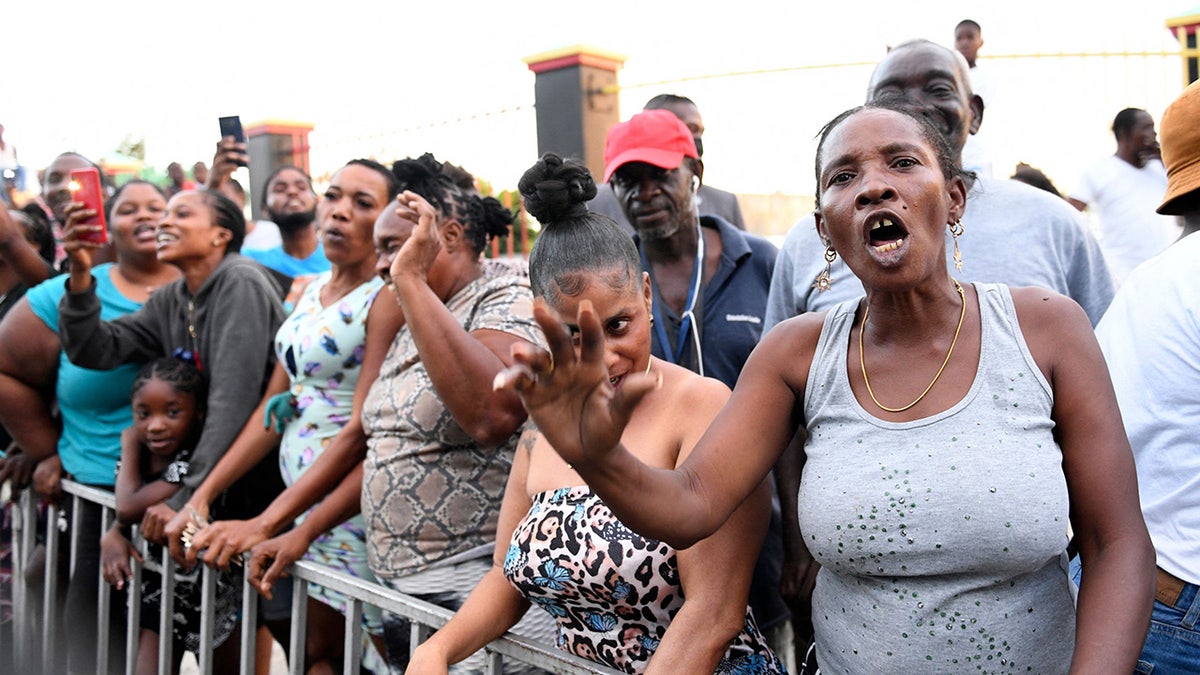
(862, 362)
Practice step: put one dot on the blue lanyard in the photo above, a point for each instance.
(689, 317)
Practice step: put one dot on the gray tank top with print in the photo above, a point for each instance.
(941, 540)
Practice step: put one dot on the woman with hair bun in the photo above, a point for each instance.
(937, 492)
(619, 599)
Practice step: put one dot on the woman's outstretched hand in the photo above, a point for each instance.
(567, 392)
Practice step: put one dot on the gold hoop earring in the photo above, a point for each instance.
(824, 281)
(956, 230)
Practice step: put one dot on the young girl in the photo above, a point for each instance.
(168, 413)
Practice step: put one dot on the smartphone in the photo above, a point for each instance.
(85, 187)
(232, 126)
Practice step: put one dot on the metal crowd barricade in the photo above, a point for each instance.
(34, 653)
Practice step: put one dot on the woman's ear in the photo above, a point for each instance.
(822, 226)
(452, 234)
(648, 293)
(223, 237)
(957, 192)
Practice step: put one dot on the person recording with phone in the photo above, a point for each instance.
(224, 310)
(56, 195)
(85, 441)
(289, 201)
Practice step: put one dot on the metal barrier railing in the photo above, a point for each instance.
(29, 658)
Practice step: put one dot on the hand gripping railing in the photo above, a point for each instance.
(33, 653)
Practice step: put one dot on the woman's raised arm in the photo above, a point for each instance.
(461, 364)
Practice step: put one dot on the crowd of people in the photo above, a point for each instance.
(944, 428)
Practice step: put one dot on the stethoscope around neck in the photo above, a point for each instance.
(688, 326)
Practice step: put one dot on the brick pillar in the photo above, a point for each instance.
(577, 101)
(273, 144)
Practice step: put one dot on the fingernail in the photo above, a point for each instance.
(498, 381)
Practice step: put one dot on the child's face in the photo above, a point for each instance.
(163, 417)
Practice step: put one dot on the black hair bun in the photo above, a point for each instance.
(494, 218)
(557, 189)
(418, 172)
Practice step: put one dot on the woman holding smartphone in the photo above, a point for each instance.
(224, 311)
(94, 404)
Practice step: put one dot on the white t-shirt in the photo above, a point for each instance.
(1123, 199)
(976, 155)
(1151, 340)
(265, 235)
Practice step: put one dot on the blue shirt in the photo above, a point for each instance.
(94, 403)
(278, 260)
(732, 309)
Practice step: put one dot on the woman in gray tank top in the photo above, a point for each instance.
(953, 430)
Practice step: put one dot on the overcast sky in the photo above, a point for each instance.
(390, 78)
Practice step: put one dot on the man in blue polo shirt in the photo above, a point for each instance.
(709, 281)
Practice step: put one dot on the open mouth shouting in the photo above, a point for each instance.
(887, 239)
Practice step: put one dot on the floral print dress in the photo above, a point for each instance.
(612, 591)
(321, 348)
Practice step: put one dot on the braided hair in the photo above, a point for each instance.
(181, 373)
(445, 189)
(226, 215)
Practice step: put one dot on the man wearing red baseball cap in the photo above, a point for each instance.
(713, 201)
(709, 282)
(709, 278)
